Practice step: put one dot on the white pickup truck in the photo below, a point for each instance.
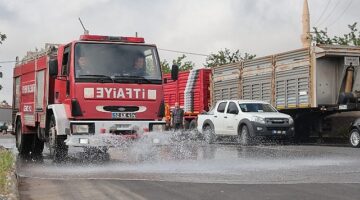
(246, 120)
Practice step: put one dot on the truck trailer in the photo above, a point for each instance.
(309, 84)
(191, 91)
(59, 102)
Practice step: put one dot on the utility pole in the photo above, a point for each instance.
(1, 75)
(305, 36)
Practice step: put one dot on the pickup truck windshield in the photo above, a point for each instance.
(256, 107)
(119, 62)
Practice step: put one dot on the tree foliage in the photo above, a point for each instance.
(352, 38)
(2, 37)
(179, 61)
(226, 57)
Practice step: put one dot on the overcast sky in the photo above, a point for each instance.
(260, 27)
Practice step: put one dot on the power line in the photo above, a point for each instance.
(184, 52)
(175, 51)
(346, 8)
(8, 61)
(323, 12)
(327, 16)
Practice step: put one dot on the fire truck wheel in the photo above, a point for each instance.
(58, 148)
(38, 145)
(23, 142)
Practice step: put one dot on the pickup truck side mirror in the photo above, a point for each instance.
(53, 68)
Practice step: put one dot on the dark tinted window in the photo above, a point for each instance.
(256, 107)
(122, 62)
(65, 62)
(221, 107)
(232, 106)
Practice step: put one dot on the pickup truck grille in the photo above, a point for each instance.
(277, 121)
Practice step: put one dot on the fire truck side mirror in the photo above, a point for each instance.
(174, 72)
(53, 68)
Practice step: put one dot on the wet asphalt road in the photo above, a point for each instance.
(195, 170)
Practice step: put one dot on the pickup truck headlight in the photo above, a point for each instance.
(291, 120)
(259, 120)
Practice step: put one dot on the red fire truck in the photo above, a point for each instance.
(87, 93)
(191, 91)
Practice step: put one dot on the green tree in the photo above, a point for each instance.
(223, 57)
(165, 66)
(2, 37)
(183, 65)
(179, 61)
(352, 38)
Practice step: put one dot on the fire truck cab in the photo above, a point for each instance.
(90, 92)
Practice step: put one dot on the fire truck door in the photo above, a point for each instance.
(63, 91)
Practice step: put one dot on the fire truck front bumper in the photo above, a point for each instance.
(109, 133)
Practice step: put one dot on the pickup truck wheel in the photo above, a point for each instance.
(209, 134)
(244, 135)
(23, 142)
(58, 148)
(355, 138)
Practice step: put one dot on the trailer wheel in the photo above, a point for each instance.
(355, 138)
(209, 134)
(186, 125)
(193, 125)
(23, 142)
(58, 148)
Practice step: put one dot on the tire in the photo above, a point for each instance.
(23, 142)
(58, 148)
(209, 134)
(193, 125)
(354, 138)
(186, 124)
(38, 145)
(244, 135)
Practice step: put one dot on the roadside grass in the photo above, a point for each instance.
(6, 163)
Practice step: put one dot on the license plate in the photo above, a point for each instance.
(124, 115)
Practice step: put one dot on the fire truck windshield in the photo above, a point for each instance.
(119, 62)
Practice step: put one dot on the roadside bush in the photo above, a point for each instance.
(6, 163)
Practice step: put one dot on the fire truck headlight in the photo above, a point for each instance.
(158, 127)
(80, 128)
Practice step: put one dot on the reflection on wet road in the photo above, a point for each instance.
(172, 167)
(196, 161)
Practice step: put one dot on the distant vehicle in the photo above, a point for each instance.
(309, 84)
(354, 133)
(3, 127)
(10, 128)
(245, 120)
(191, 91)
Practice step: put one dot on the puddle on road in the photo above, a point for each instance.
(180, 154)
